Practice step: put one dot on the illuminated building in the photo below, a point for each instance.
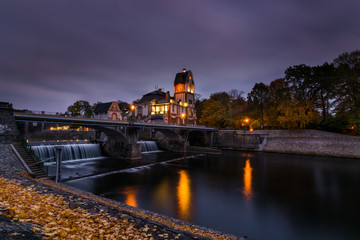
(159, 107)
(109, 110)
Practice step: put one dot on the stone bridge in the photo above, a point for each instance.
(119, 138)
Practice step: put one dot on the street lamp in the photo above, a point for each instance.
(246, 121)
(183, 118)
(132, 108)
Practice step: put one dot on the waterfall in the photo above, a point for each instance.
(70, 151)
(148, 146)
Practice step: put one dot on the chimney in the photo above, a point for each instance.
(167, 96)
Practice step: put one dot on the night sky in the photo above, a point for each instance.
(54, 52)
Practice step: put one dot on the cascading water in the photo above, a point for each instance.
(148, 146)
(70, 151)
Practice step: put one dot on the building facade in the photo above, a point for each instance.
(159, 107)
(109, 110)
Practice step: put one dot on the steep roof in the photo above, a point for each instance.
(157, 94)
(182, 77)
(102, 107)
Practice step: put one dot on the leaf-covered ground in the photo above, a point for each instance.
(59, 213)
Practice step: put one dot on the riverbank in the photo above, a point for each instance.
(304, 141)
(41, 209)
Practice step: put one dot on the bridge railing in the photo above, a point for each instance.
(44, 113)
(61, 114)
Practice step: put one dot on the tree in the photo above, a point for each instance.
(80, 108)
(295, 114)
(322, 88)
(123, 105)
(279, 92)
(257, 98)
(298, 78)
(348, 88)
(222, 109)
(213, 114)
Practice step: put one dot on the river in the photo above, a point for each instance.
(260, 195)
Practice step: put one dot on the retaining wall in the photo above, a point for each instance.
(8, 128)
(312, 142)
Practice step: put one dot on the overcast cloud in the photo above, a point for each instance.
(53, 53)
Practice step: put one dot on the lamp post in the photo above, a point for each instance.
(183, 118)
(58, 156)
(132, 108)
(246, 121)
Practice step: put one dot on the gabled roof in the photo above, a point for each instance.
(182, 77)
(102, 107)
(157, 94)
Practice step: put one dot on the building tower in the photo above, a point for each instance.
(184, 88)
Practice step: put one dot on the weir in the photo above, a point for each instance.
(70, 151)
(148, 146)
(82, 151)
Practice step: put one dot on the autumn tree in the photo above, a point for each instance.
(257, 99)
(213, 114)
(300, 110)
(80, 108)
(222, 109)
(294, 114)
(279, 92)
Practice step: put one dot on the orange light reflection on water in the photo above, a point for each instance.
(130, 196)
(184, 195)
(247, 180)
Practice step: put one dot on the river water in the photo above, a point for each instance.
(260, 195)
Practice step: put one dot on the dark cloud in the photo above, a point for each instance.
(53, 53)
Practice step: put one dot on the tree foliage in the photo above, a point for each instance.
(348, 87)
(222, 109)
(326, 96)
(81, 108)
(294, 114)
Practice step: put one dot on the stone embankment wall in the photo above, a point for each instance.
(8, 128)
(8, 160)
(312, 142)
(239, 140)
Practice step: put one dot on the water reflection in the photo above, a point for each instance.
(130, 193)
(163, 195)
(247, 180)
(184, 195)
(281, 196)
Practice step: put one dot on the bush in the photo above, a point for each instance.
(334, 124)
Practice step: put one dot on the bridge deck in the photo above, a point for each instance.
(88, 122)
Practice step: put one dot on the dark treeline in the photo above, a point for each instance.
(323, 97)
